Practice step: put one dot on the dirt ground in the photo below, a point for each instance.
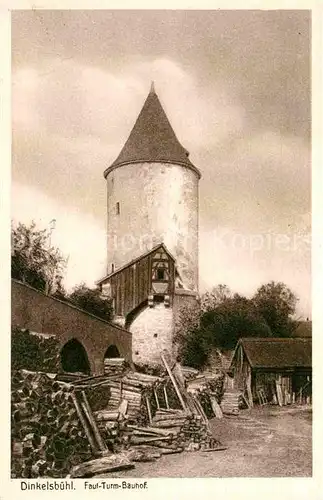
(263, 442)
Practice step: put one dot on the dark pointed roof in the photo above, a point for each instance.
(152, 139)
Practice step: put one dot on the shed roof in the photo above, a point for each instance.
(277, 352)
(303, 329)
(152, 139)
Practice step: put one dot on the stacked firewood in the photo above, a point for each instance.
(137, 389)
(114, 366)
(34, 351)
(47, 437)
(208, 388)
(56, 425)
(230, 402)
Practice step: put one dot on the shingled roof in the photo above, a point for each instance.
(303, 329)
(152, 139)
(277, 352)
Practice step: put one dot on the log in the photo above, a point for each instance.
(166, 397)
(100, 465)
(171, 376)
(123, 408)
(126, 386)
(84, 423)
(149, 410)
(152, 430)
(147, 440)
(103, 415)
(156, 398)
(144, 376)
(216, 407)
(161, 418)
(140, 455)
(92, 421)
(169, 423)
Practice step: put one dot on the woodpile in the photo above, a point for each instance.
(230, 402)
(114, 366)
(34, 351)
(47, 436)
(208, 388)
(90, 425)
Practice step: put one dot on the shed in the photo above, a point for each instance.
(273, 370)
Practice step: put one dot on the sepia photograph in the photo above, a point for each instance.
(161, 309)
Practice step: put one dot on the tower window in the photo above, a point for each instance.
(118, 208)
(160, 274)
(155, 335)
(112, 268)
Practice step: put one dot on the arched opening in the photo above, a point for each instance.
(134, 313)
(112, 352)
(74, 358)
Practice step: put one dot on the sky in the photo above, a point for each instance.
(236, 88)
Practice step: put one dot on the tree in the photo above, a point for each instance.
(90, 300)
(276, 303)
(218, 295)
(232, 319)
(221, 319)
(34, 260)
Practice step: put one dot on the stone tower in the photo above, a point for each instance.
(152, 199)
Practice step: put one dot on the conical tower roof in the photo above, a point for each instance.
(152, 139)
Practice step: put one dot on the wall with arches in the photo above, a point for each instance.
(39, 313)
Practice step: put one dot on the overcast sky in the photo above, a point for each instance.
(236, 88)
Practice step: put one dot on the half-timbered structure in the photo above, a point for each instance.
(147, 280)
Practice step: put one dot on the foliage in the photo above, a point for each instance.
(276, 303)
(222, 318)
(90, 299)
(34, 260)
(218, 295)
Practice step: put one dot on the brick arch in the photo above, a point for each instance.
(74, 358)
(112, 352)
(40, 313)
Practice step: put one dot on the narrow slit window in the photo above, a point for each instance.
(118, 208)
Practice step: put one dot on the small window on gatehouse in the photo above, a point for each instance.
(118, 208)
(160, 274)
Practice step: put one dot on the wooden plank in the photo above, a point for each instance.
(166, 397)
(156, 398)
(179, 395)
(92, 421)
(216, 407)
(149, 410)
(279, 394)
(84, 423)
(248, 383)
(100, 465)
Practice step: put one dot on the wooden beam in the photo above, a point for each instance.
(166, 397)
(91, 419)
(171, 376)
(84, 423)
(149, 410)
(156, 398)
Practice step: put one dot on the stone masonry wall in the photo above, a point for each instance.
(152, 331)
(158, 202)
